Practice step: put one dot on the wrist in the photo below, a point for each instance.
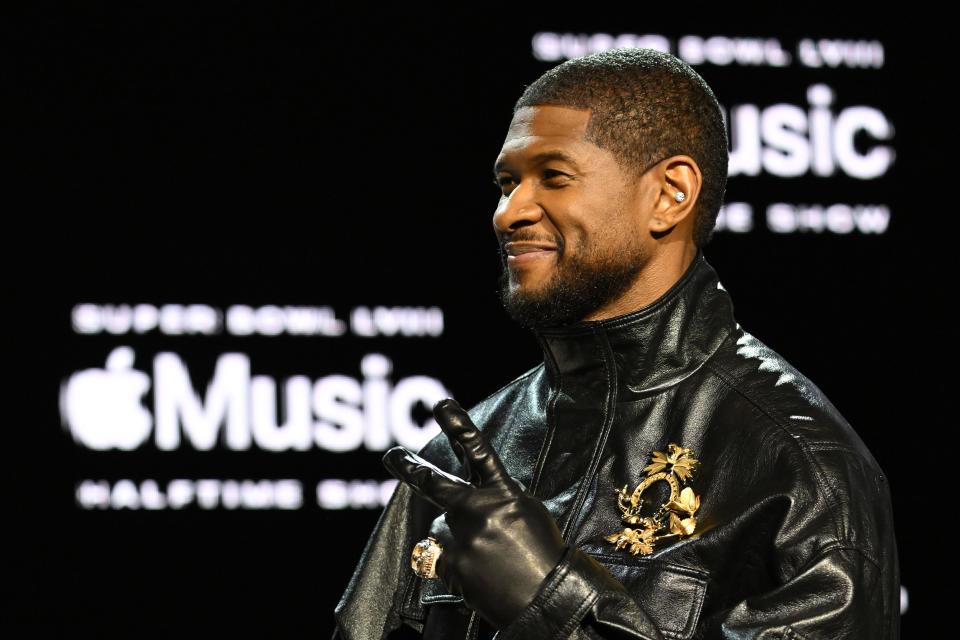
(515, 595)
(563, 600)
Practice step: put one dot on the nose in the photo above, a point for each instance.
(519, 209)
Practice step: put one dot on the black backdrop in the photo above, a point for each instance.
(268, 156)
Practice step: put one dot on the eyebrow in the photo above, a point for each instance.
(540, 158)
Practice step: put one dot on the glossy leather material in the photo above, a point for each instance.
(499, 543)
(794, 535)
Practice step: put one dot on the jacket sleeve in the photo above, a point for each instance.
(372, 603)
(838, 595)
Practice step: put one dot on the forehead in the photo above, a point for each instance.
(539, 127)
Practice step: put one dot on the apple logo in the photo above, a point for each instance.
(102, 407)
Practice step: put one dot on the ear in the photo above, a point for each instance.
(676, 174)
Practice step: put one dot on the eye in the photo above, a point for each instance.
(556, 178)
(552, 174)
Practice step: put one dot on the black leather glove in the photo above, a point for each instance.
(499, 543)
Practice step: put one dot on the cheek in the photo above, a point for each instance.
(590, 221)
(614, 237)
(593, 230)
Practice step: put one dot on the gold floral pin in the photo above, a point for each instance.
(675, 516)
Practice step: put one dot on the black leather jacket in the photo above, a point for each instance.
(794, 535)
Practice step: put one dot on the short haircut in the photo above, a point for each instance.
(646, 106)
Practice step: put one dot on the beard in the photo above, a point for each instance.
(580, 285)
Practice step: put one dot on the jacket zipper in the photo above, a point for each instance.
(609, 409)
(473, 627)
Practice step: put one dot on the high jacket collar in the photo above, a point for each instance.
(647, 350)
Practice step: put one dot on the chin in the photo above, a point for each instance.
(527, 289)
(529, 279)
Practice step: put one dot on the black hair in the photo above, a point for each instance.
(646, 106)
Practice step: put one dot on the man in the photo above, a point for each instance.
(663, 473)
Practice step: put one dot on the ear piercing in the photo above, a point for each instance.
(679, 196)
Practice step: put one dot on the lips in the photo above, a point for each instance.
(514, 249)
(524, 253)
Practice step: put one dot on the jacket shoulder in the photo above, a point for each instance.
(801, 438)
(795, 406)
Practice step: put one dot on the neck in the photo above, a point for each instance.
(664, 268)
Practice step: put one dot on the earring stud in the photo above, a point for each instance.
(679, 196)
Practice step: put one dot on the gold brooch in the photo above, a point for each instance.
(676, 515)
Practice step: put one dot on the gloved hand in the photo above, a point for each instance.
(499, 543)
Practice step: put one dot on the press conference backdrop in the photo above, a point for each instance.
(274, 253)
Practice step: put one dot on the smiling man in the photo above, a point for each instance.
(569, 228)
(662, 473)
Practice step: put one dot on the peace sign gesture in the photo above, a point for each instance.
(499, 542)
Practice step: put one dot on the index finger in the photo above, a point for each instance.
(478, 455)
(429, 481)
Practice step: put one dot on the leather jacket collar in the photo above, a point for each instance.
(647, 350)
